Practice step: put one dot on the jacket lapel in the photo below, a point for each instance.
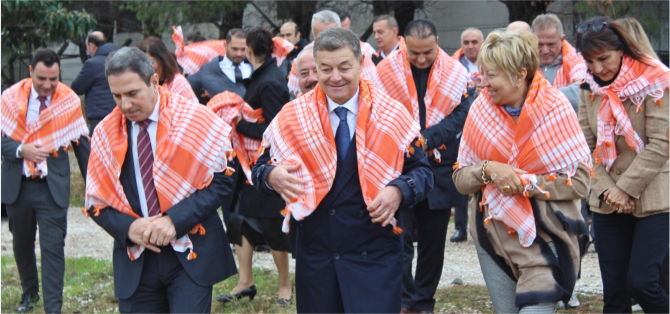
(345, 169)
(129, 184)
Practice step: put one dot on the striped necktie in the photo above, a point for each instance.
(146, 159)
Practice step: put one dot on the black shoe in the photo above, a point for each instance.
(248, 292)
(27, 302)
(459, 236)
(264, 248)
(285, 302)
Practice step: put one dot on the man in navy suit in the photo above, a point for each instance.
(348, 259)
(162, 278)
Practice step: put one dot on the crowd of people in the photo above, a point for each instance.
(345, 157)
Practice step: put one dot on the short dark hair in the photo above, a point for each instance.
(342, 13)
(167, 61)
(612, 36)
(96, 39)
(235, 32)
(421, 29)
(390, 20)
(195, 37)
(260, 41)
(46, 56)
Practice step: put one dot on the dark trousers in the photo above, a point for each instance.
(93, 123)
(631, 253)
(165, 287)
(418, 291)
(461, 217)
(36, 207)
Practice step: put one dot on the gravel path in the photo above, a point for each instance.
(85, 238)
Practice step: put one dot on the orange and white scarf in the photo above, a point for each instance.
(472, 76)
(282, 49)
(56, 127)
(181, 87)
(546, 139)
(229, 106)
(191, 145)
(573, 68)
(368, 71)
(634, 82)
(447, 82)
(301, 134)
(195, 55)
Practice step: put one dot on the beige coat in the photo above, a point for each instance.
(643, 176)
(529, 266)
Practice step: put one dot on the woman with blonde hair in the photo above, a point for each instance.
(624, 115)
(635, 30)
(526, 161)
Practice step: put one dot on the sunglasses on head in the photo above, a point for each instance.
(596, 27)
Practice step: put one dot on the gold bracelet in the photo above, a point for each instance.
(486, 162)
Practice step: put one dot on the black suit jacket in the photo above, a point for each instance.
(58, 176)
(214, 262)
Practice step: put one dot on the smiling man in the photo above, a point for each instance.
(41, 119)
(432, 88)
(560, 63)
(345, 188)
(156, 179)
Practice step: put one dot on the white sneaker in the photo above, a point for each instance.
(572, 303)
(637, 308)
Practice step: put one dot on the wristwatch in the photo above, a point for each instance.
(19, 151)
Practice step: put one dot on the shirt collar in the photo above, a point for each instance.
(154, 114)
(351, 104)
(470, 63)
(383, 54)
(34, 94)
(228, 63)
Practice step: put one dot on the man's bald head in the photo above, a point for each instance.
(94, 40)
(290, 32)
(518, 26)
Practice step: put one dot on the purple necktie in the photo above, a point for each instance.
(146, 158)
(43, 103)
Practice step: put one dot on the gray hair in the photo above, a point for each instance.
(129, 59)
(335, 38)
(545, 21)
(327, 17)
(306, 50)
(473, 29)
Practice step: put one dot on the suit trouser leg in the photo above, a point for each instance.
(461, 217)
(432, 226)
(36, 206)
(406, 217)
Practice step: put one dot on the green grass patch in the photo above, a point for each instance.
(89, 288)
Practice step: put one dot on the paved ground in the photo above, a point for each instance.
(85, 238)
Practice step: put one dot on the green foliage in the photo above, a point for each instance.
(647, 12)
(27, 25)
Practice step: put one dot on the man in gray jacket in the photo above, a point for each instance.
(93, 82)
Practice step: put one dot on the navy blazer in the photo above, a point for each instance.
(215, 260)
(92, 81)
(210, 78)
(344, 262)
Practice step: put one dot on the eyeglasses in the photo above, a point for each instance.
(597, 26)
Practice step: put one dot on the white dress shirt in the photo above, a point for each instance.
(33, 111)
(151, 129)
(352, 113)
(472, 66)
(383, 54)
(229, 69)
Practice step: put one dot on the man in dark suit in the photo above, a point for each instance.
(291, 32)
(348, 257)
(440, 106)
(385, 28)
(36, 173)
(164, 277)
(93, 82)
(225, 73)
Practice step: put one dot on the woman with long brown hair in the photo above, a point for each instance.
(166, 67)
(624, 115)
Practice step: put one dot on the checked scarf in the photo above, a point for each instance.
(634, 82)
(368, 70)
(547, 139)
(228, 106)
(282, 49)
(573, 68)
(181, 86)
(472, 76)
(57, 126)
(191, 145)
(193, 56)
(447, 82)
(301, 134)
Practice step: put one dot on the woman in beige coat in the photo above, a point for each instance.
(525, 159)
(624, 115)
